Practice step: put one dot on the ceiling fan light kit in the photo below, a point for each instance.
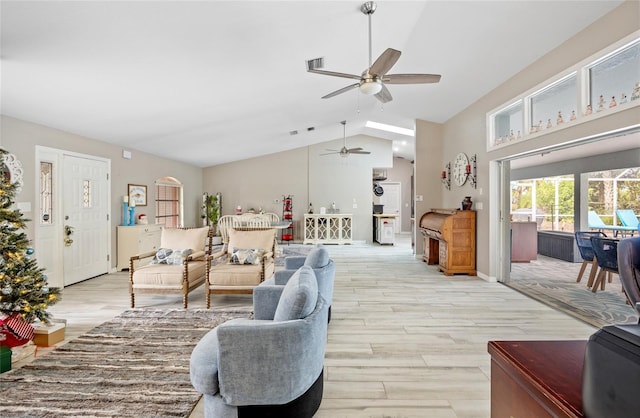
(373, 79)
(371, 87)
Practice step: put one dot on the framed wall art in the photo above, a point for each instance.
(138, 194)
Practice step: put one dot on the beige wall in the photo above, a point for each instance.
(466, 132)
(20, 138)
(309, 177)
(428, 166)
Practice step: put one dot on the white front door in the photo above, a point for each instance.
(391, 199)
(85, 223)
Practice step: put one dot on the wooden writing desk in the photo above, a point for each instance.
(535, 379)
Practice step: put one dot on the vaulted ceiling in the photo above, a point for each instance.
(209, 82)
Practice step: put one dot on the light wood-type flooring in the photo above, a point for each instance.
(404, 340)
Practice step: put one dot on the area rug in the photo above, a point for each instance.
(135, 365)
(575, 299)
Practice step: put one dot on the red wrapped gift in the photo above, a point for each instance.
(15, 331)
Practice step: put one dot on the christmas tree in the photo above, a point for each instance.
(23, 286)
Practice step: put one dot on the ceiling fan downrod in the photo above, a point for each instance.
(368, 8)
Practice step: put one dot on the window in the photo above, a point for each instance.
(612, 79)
(169, 202)
(555, 104)
(612, 190)
(547, 201)
(507, 124)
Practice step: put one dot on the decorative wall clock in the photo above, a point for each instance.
(460, 171)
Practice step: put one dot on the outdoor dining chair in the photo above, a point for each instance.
(606, 253)
(583, 240)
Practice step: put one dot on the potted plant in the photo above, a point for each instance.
(213, 214)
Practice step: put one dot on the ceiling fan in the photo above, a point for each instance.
(344, 151)
(373, 79)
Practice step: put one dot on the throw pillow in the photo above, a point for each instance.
(246, 256)
(318, 257)
(299, 296)
(161, 256)
(178, 256)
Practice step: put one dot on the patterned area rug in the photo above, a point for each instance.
(136, 365)
(559, 290)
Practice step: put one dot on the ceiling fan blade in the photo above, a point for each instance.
(411, 78)
(329, 153)
(384, 95)
(354, 149)
(359, 152)
(335, 74)
(385, 61)
(342, 90)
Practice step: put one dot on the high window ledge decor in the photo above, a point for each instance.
(601, 85)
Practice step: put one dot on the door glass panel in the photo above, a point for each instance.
(46, 193)
(86, 194)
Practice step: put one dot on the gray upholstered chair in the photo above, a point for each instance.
(267, 366)
(179, 266)
(629, 269)
(324, 268)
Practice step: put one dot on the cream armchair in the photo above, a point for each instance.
(245, 261)
(179, 266)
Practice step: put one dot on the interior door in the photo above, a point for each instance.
(391, 199)
(85, 218)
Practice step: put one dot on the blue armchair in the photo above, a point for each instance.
(271, 365)
(323, 267)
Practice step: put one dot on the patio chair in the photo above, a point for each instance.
(583, 240)
(606, 252)
(627, 217)
(595, 222)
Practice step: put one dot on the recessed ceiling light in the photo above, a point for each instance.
(389, 128)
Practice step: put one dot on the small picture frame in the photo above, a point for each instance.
(138, 194)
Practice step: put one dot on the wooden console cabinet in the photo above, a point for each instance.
(536, 379)
(136, 239)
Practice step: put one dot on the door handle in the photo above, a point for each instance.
(68, 230)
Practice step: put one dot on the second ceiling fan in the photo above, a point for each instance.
(344, 151)
(373, 79)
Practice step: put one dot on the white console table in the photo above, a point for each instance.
(330, 228)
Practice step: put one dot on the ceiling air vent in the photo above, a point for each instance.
(315, 63)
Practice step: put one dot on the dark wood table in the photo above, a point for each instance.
(534, 379)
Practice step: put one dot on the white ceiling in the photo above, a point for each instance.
(209, 82)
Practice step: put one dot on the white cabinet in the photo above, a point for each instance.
(333, 228)
(136, 239)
